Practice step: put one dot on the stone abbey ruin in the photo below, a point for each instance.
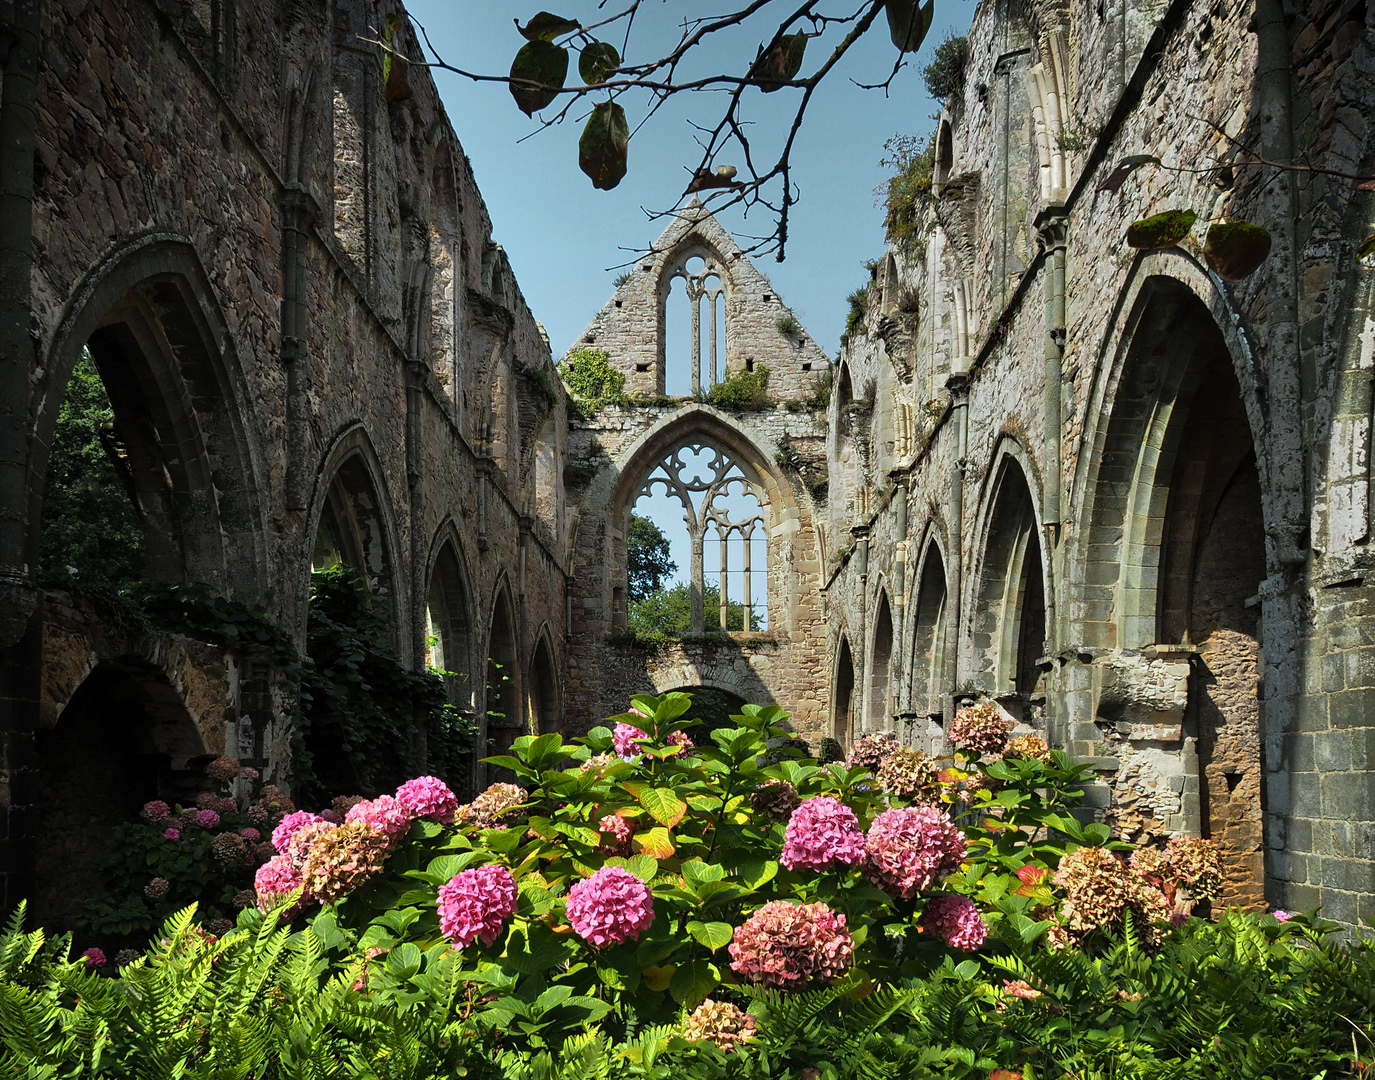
(1110, 488)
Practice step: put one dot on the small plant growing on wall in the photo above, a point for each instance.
(788, 326)
(591, 380)
(743, 390)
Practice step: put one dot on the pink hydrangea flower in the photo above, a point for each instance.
(207, 819)
(616, 832)
(1283, 916)
(821, 833)
(383, 813)
(627, 739)
(475, 904)
(224, 768)
(250, 773)
(610, 906)
(94, 958)
(955, 920)
(251, 834)
(171, 834)
(911, 850)
(290, 825)
(680, 738)
(428, 797)
(207, 800)
(228, 806)
(275, 881)
(791, 946)
(155, 812)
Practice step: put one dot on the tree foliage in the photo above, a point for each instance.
(668, 611)
(89, 520)
(944, 75)
(648, 556)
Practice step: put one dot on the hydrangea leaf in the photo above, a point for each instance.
(663, 805)
(658, 978)
(693, 981)
(537, 75)
(713, 935)
(657, 843)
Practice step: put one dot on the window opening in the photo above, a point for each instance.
(694, 328)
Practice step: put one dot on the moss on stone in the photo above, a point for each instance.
(1161, 230)
(1234, 249)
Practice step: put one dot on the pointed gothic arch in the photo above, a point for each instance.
(504, 720)
(545, 696)
(695, 266)
(929, 618)
(843, 695)
(879, 699)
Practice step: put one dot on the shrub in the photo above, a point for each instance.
(788, 325)
(743, 389)
(914, 159)
(591, 380)
(854, 318)
(945, 74)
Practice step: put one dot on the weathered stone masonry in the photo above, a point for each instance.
(285, 273)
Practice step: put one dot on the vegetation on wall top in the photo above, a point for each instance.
(743, 389)
(591, 380)
(914, 159)
(944, 75)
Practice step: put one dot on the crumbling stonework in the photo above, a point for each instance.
(1145, 487)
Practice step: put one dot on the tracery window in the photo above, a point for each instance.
(727, 533)
(705, 308)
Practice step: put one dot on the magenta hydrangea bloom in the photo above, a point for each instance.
(475, 904)
(155, 812)
(616, 832)
(912, 849)
(1283, 916)
(275, 881)
(955, 920)
(791, 946)
(627, 739)
(610, 906)
(94, 958)
(171, 834)
(228, 805)
(290, 825)
(428, 797)
(383, 813)
(251, 834)
(821, 833)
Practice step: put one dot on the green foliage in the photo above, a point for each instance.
(89, 520)
(788, 325)
(854, 318)
(743, 389)
(668, 612)
(945, 74)
(604, 146)
(621, 278)
(363, 712)
(541, 379)
(818, 397)
(648, 557)
(914, 159)
(195, 610)
(591, 380)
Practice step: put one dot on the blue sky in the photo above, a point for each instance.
(562, 235)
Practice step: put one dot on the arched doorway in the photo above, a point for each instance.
(504, 720)
(928, 636)
(712, 708)
(843, 709)
(123, 738)
(546, 712)
(880, 697)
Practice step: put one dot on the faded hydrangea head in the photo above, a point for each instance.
(627, 738)
(207, 800)
(207, 819)
(383, 813)
(125, 957)
(258, 815)
(822, 833)
(616, 833)
(275, 882)
(791, 946)
(155, 812)
(909, 774)
(275, 804)
(245, 898)
(428, 797)
(156, 890)
(1195, 864)
(251, 835)
(250, 773)
(869, 752)
(1029, 746)
(223, 769)
(911, 850)
(775, 800)
(93, 958)
(680, 738)
(597, 762)
(492, 805)
(227, 805)
(611, 906)
(955, 920)
(475, 904)
(720, 1022)
(342, 858)
(1099, 890)
(290, 825)
(262, 851)
(979, 730)
(219, 927)
(342, 804)
(228, 849)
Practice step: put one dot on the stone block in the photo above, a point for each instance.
(1346, 796)
(1332, 751)
(1305, 795)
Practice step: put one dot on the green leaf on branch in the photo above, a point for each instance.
(714, 935)
(537, 75)
(598, 62)
(656, 843)
(663, 805)
(779, 64)
(1367, 247)
(1235, 249)
(604, 146)
(1161, 230)
(546, 26)
(909, 21)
